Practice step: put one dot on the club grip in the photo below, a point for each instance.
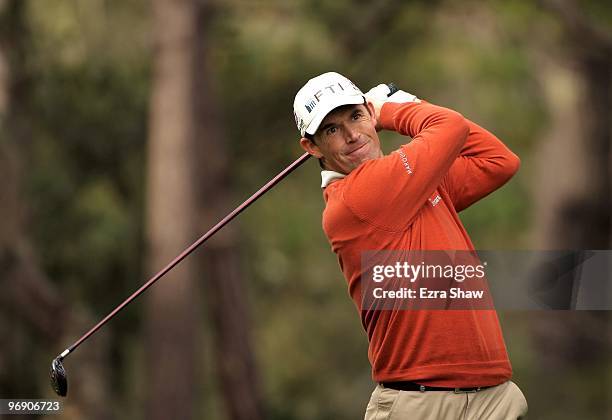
(392, 88)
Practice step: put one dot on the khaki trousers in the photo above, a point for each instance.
(502, 402)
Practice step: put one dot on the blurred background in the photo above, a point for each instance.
(128, 128)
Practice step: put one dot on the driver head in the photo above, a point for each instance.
(59, 382)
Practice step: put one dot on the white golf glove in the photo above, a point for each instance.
(378, 97)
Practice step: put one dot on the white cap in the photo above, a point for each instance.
(321, 95)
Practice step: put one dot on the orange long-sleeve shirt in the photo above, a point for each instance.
(408, 200)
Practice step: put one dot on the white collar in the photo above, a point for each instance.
(327, 177)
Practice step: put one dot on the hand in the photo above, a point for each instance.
(379, 95)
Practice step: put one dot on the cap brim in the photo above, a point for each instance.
(330, 106)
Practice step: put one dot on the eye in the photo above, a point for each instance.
(330, 131)
(357, 115)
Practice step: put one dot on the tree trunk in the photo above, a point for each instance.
(225, 288)
(235, 364)
(172, 321)
(186, 150)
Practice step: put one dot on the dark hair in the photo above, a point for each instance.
(311, 138)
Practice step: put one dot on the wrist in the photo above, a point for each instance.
(386, 119)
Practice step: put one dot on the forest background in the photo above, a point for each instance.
(127, 128)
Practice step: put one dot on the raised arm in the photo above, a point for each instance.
(391, 190)
(484, 164)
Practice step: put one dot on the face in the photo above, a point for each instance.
(346, 138)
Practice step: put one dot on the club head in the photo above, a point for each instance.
(59, 382)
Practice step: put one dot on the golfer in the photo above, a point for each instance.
(428, 364)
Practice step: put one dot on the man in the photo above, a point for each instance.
(428, 364)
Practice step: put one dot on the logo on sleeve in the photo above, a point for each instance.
(435, 199)
(404, 160)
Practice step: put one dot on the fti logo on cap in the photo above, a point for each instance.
(335, 88)
(310, 106)
(319, 96)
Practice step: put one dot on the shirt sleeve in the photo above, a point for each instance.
(484, 164)
(390, 191)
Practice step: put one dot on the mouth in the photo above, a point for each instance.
(358, 148)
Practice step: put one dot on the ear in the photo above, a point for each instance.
(372, 112)
(310, 147)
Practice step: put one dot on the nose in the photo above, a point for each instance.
(351, 135)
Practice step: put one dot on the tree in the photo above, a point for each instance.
(188, 172)
(575, 210)
(31, 303)
(172, 316)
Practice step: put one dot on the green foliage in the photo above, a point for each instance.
(85, 183)
(87, 167)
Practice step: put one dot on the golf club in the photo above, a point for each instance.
(58, 376)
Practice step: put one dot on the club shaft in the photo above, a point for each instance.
(189, 250)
